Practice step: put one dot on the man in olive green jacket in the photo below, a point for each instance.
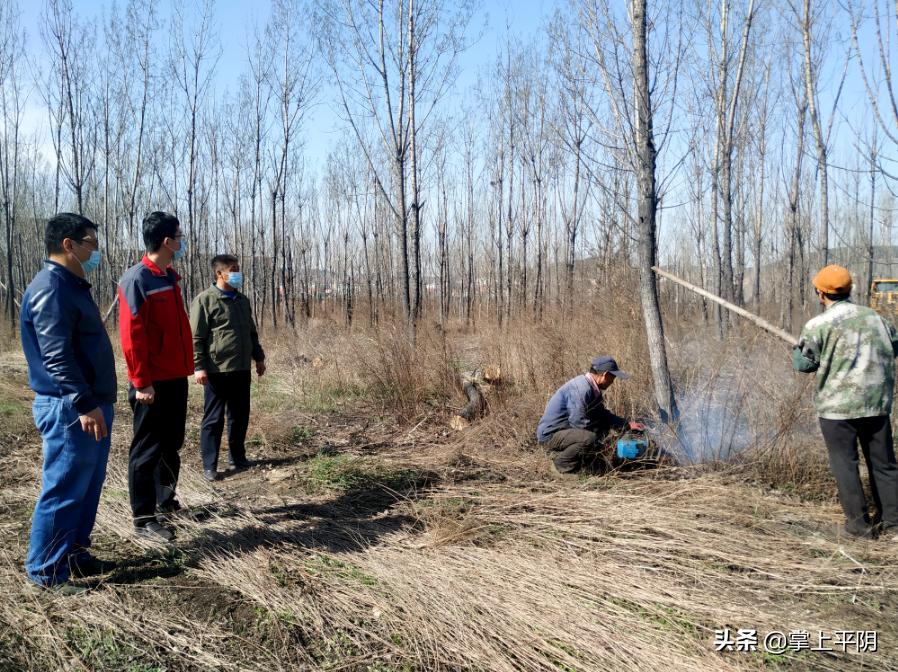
(225, 345)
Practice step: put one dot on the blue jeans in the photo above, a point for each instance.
(72, 476)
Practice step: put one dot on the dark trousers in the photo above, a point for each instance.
(577, 449)
(875, 438)
(154, 462)
(225, 392)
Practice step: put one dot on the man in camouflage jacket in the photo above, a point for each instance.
(852, 348)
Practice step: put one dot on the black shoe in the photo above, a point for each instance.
(154, 532)
(171, 506)
(240, 465)
(210, 475)
(88, 565)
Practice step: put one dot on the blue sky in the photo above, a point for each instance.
(497, 19)
(235, 20)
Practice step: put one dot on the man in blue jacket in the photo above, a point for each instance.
(71, 369)
(575, 420)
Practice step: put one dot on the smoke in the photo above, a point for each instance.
(730, 398)
(713, 425)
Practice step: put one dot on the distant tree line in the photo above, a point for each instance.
(739, 142)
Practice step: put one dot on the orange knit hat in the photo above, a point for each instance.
(833, 280)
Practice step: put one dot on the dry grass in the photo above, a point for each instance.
(373, 538)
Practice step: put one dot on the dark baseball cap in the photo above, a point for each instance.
(603, 363)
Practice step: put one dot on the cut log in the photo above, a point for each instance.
(476, 404)
(476, 385)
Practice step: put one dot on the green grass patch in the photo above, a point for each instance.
(300, 434)
(103, 649)
(287, 577)
(334, 651)
(328, 398)
(14, 408)
(267, 619)
(662, 616)
(569, 650)
(15, 414)
(327, 471)
(790, 660)
(272, 393)
(114, 494)
(279, 395)
(326, 565)
(387, 667)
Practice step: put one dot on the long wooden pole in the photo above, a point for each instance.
(751, 317)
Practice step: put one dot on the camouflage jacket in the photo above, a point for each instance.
(852, 348)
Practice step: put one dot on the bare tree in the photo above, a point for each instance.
(573, 129)
(726, 86)
(12, 102)
(392, 62)
(762, 125)
(469, 226)
(73, 111)
(793, 222)
(813, 21)
(627, 84)
(192, 64)
(140, 30)
(880, 82)
(293, 84)
(255, 96)
(873, 162)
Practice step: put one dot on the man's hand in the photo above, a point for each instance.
(260, 368)
(803, 363)
(146, 395)
(637, 426)
(201, 377)
(95, 424)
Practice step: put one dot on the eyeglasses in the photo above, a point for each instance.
(89, 243)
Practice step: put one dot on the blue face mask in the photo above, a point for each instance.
(179, 253)
(235, 279)
(91, 263)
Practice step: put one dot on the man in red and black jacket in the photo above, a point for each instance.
(158, 347)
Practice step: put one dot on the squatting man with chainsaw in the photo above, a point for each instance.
(852, 349)
(576, 421)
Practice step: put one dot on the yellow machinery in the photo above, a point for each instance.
(884, 296)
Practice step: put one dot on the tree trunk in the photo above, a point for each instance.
(647, 209)
(870, 232)
(415, 312)
(819, 140)
(794, 193)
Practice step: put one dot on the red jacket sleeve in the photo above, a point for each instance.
(132, 332)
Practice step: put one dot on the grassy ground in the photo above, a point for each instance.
(370, 537)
